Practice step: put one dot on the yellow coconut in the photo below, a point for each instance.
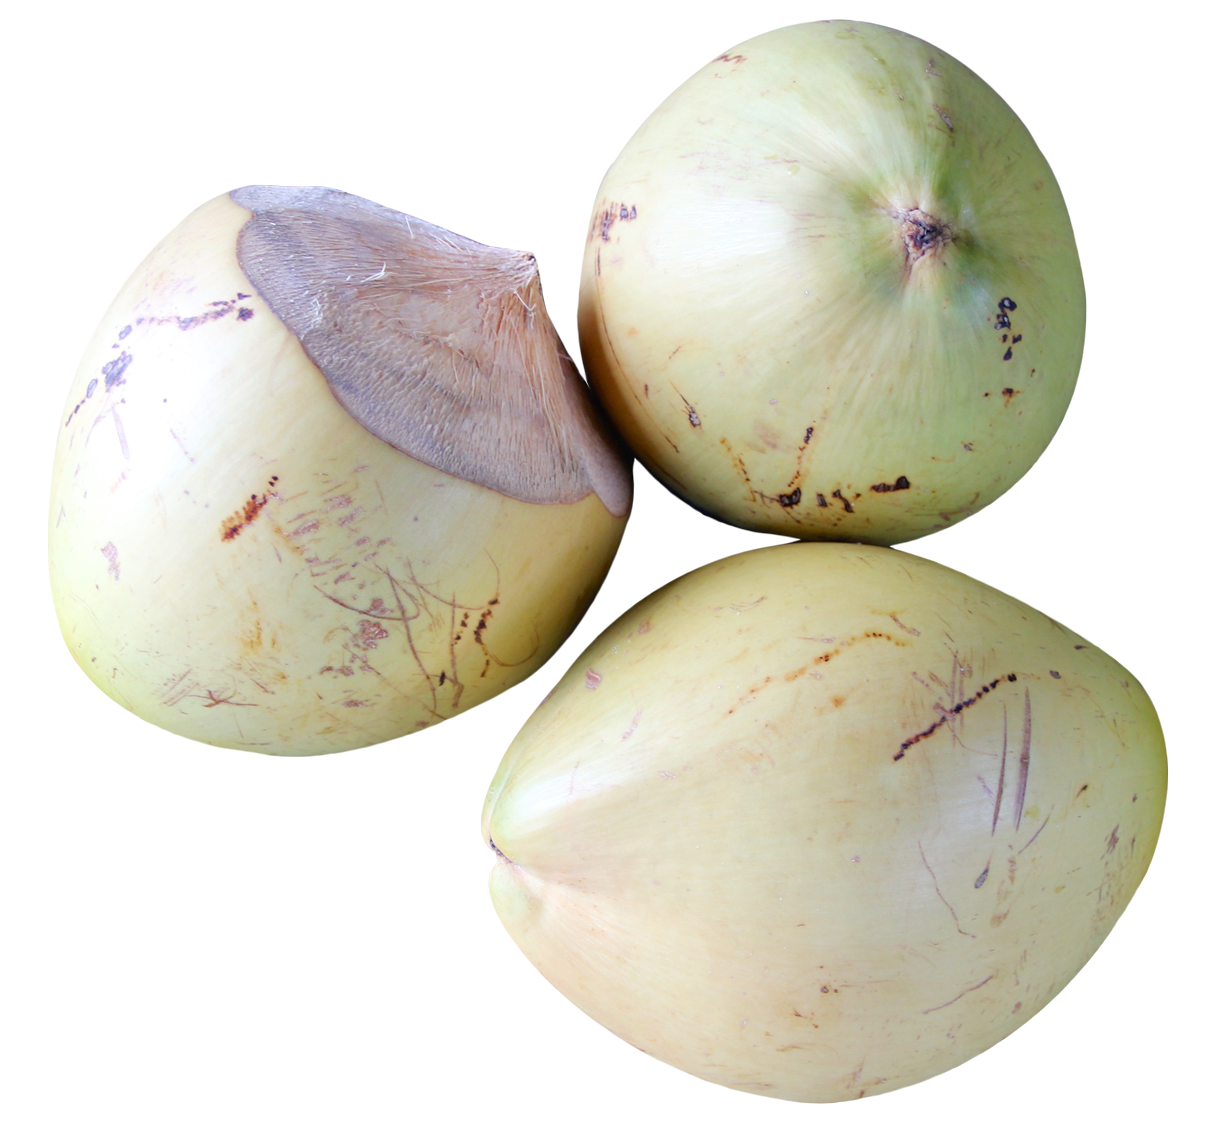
(820, 821)
(831, 290)
(326, 476)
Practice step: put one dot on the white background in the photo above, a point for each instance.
(197, 934)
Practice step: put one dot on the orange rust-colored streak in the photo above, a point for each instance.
(822, 658)
(233, 526)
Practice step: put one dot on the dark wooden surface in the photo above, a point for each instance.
(667, 536)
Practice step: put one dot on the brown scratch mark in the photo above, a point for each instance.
(1024, 761)
(606, 335)
(958, 708)
(226, 699)
(974, 987)
(938, 890)
(174, 691)
(636, 719)
(848, 507)
(455, 636)
(910, 631)
(182, 446)
(692, 417)
(1036, 835)
(1113, 839)
(1001, 778)
(741, 468)
(980, 880)
(119, 432)
(735, 59)
(111, 553)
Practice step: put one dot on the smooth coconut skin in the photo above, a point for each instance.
(326, 476)
(830, 289)
(821, 820)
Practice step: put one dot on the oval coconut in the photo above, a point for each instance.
(820, 821)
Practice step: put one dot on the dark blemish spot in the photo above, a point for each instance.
(1006, 304)
(441, 679)
(1078, 647)
(790, 500)
(1081, 790)
(824, 989)
(1055, 674)
(1012, 677)
(243, 296)
(127, 331)
(646, 390)
(901, 485)
(245, 313)
(1004, 338)
(93, 385)
(980, 881)
(1008, 392)
(967, 445)
(810, 429)
(1009, 353)
(113, 371)
(1016, 339)
(820, 500)
(608, 220)
(847, 506)
(1003, 321)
